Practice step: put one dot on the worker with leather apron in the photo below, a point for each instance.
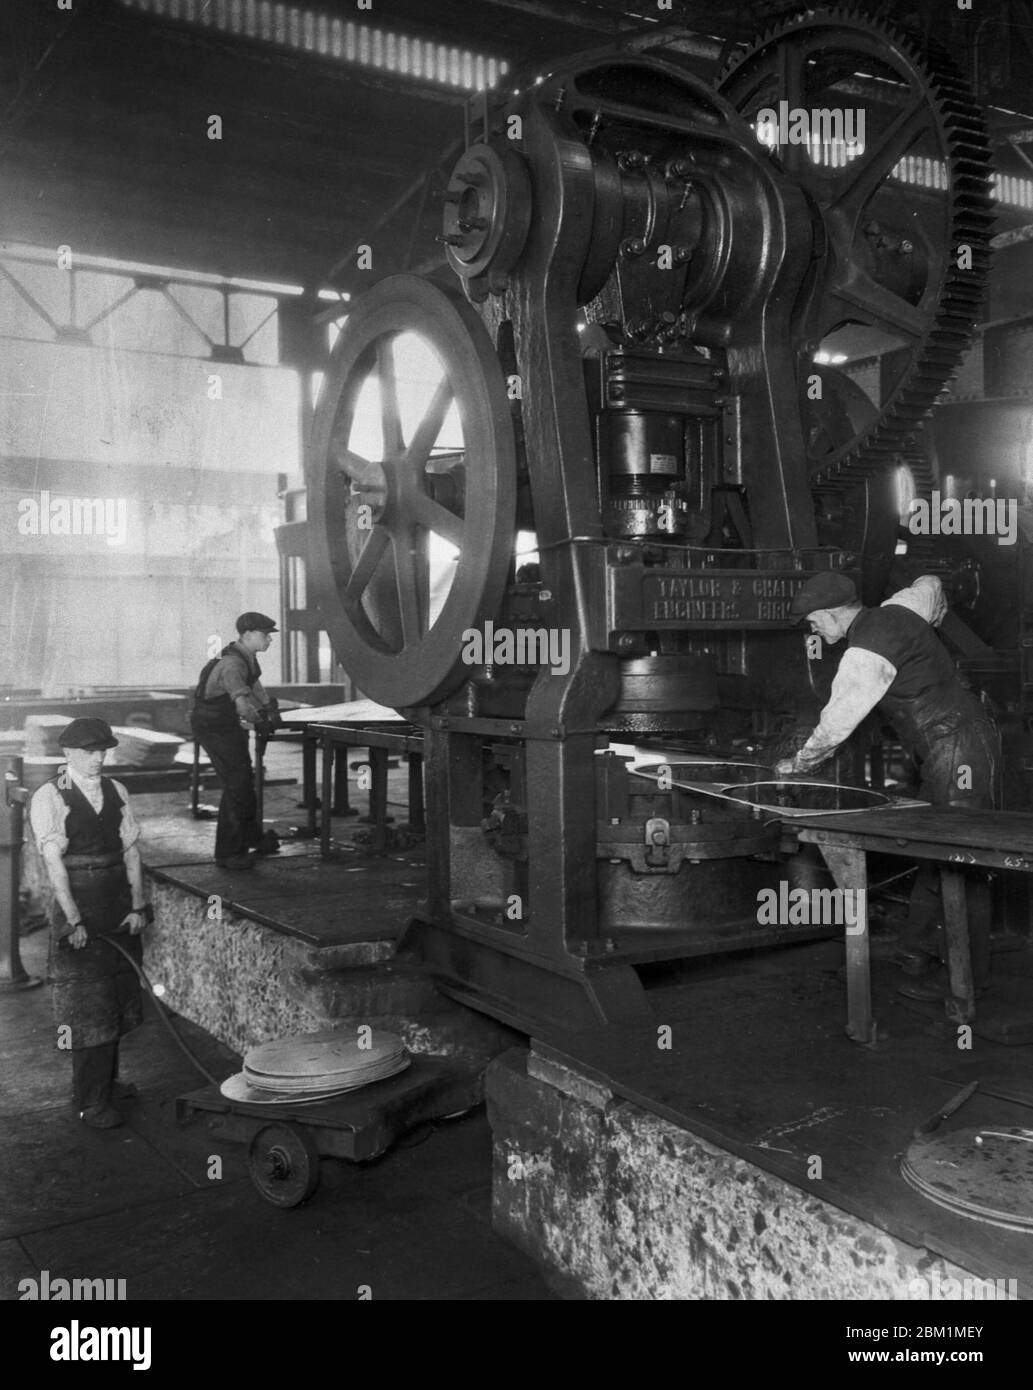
(229, 695)
(87, 838)
(895, 661)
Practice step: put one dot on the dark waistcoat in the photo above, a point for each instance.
(88, 831)
(926, 691)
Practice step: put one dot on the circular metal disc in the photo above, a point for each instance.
(321, 1055)
(989, 1180)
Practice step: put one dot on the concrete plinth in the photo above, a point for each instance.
(617, 1203)
(246, 982)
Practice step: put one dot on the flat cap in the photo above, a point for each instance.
(827, 590)
(88, 733)
(256, 622)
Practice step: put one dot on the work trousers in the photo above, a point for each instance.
(94, 1070)
(237, 830)
(960, 768)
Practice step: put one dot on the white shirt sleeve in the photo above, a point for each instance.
(129, 828)
(47, 814)
(924, 597)
(860, 683)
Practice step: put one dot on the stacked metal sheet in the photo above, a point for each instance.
(144, 748)
(137, 747)
(316, 1066)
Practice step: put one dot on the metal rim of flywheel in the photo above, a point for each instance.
(373, 584)
(284, 1164)
(941, 105)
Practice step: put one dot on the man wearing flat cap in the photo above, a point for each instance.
(229, 696)
(895, 661)
(87, 838)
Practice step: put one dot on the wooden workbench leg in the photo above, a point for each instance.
(378, 799)
(260, 747)
(961, 1007)
(325, 816)
(308, 780)
(342, 804)
(195, 781)
(417, 819)
(849, 868)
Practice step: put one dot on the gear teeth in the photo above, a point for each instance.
(962, 131)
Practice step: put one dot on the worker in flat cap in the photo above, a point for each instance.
(895, 661)
(87, 838)
(229, 698)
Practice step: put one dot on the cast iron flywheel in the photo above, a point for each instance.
(893, 258)
(412, 489)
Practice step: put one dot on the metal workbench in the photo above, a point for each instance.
(955, 839)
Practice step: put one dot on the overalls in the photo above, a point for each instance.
(96, 995)
(216, 725)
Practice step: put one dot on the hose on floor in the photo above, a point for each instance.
(162, 1011)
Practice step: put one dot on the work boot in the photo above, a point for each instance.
(123, 1090)
(101, 1117)
(237, 861)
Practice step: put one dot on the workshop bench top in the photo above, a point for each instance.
(1001, 839)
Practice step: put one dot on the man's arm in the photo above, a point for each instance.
(47, 814)
(231, 674)
(58, 875)
(136, 920)
(860, 683)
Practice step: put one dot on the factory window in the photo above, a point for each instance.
(313, 31)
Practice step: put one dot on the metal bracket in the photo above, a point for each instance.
(658, 841)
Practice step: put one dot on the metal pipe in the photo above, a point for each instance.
(13, 974)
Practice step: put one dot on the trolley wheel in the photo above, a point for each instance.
(284, 1164)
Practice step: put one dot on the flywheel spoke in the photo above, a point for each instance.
(362, 471)
(881, 306)
(874, 167)
(365, 565)
(790, 86)
(426, 512)
(430, 426)
(390, 415)
(411, 583)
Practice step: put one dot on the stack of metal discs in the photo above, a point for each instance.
(316, 1066)
(985, 1174)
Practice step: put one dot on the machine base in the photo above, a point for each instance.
(527, 994)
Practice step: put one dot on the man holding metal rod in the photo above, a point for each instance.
(229, 699)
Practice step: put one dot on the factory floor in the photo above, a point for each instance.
(143, 1203)
(140, 1203)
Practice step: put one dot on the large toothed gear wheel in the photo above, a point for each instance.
(412, 490)
(893, 257)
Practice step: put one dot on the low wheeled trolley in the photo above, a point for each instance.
(286, 1142)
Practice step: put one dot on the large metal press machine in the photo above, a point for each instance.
(561, 504)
